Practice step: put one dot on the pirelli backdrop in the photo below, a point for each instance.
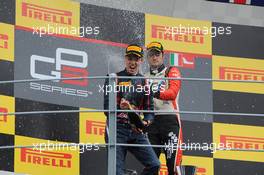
(46, 39)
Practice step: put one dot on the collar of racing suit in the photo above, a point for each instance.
(155, 71)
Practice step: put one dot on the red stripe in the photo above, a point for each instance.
(77, 38)
(178, 157)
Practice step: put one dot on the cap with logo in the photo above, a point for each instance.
(155, 46)
(134, 49)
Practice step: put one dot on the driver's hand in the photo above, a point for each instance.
(146, 123)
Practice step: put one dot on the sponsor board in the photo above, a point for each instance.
(244, 41)
(61, 126)
(92, 127)
(7, 12)
(53, 58)
(7, 155)
(61, 16)
(7, 122)
(61, 68)
(40, 162)
(238, 102)
(232, 68)
(64, 69)
(6, 42)
(200, 97)
(195, 135)
(192, 59)
(239, 137)
(223, 166)
(178, 34)
(7, 74)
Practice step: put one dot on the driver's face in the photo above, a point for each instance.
(155, 58)
(132, 63)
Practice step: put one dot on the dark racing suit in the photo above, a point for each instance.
(166, 127)
(125, 134)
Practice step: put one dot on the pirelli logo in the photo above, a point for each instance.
(231, 73)
(239, 142)
(3, 41)
(46, 158)
(3, 118)
(95, 127)
(179, 35)
(42, 13)
(200, 171)
(163, 170)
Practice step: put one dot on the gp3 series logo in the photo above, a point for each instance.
(64, 68)
(76, 66)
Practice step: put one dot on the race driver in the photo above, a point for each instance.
(132, 99)
(166, 127)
